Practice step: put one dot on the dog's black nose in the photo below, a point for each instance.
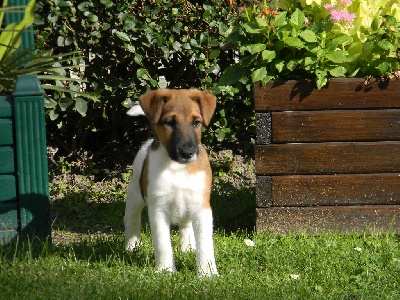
(187, 153)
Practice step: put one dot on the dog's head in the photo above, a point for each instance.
(177, 117)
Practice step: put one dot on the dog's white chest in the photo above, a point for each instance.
(174, 190)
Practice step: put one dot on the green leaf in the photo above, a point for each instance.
(130, 48)
(256, 48)
(297, 19)
(106, 3)
(291, 65)
(268, 55)
(251, 28)
(354, 51)
(385, 45)
(338, 71)
(383, 67)
(322, 78)
(53, 115)
(123, 36)
(339, 56)
(308, 36)
(141, 72)
(93, 18)
(232, 74)
(259, 74)
(280, 65)
(214, 54)
(63, 89)
(294, 42)
(176, 45)
(129, 23)
(280, 19)
(261, 22)
(65, 103)
(81, 106)
(340, 40)
(10, 36)
(62, 78)
(310, 60)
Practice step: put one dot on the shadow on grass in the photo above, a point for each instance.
(233, 210)
(76, 213)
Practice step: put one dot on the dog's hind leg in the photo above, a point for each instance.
(133, 214)
(187, 239)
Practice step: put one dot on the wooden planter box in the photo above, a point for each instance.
(328, 159)
(24, 193)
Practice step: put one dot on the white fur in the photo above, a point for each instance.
(135, 110)
(174, 197)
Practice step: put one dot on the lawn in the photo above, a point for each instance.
(87, 260)
(327, 266)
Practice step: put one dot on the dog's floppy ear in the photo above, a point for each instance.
(152, 103)
(207, 103)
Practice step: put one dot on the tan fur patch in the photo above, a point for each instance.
(203, 164)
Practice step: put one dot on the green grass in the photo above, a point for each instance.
(97, 267)
(87, 259)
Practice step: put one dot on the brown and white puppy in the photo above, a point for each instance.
(172, 176)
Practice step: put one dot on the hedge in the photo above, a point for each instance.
(129, 47)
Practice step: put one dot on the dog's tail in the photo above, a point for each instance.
(135, 110)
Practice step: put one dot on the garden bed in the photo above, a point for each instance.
(328, 159)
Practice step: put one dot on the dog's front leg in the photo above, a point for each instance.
(203, 232)
(161, 235)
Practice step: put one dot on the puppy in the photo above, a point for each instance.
(172, 176)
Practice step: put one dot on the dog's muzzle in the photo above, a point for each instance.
(184, 153)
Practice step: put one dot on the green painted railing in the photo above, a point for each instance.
(24, 192)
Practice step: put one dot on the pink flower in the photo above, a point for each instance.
(346, 1)
(328, 6)
(342, 15)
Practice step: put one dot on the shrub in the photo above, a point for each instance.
(129, 47)
(316, 40)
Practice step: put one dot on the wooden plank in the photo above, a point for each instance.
(8, 188)
(342, 93)
(7, 164)
(327, 158)
(327, 218)
(336, 125)
(6, 129)
(348, 189)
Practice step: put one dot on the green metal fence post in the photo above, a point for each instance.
(31, 151)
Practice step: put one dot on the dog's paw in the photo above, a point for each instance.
(133, 244)
(168, 268)
(208, 271)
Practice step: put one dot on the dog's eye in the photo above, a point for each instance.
(196, 123)
(170, 122)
